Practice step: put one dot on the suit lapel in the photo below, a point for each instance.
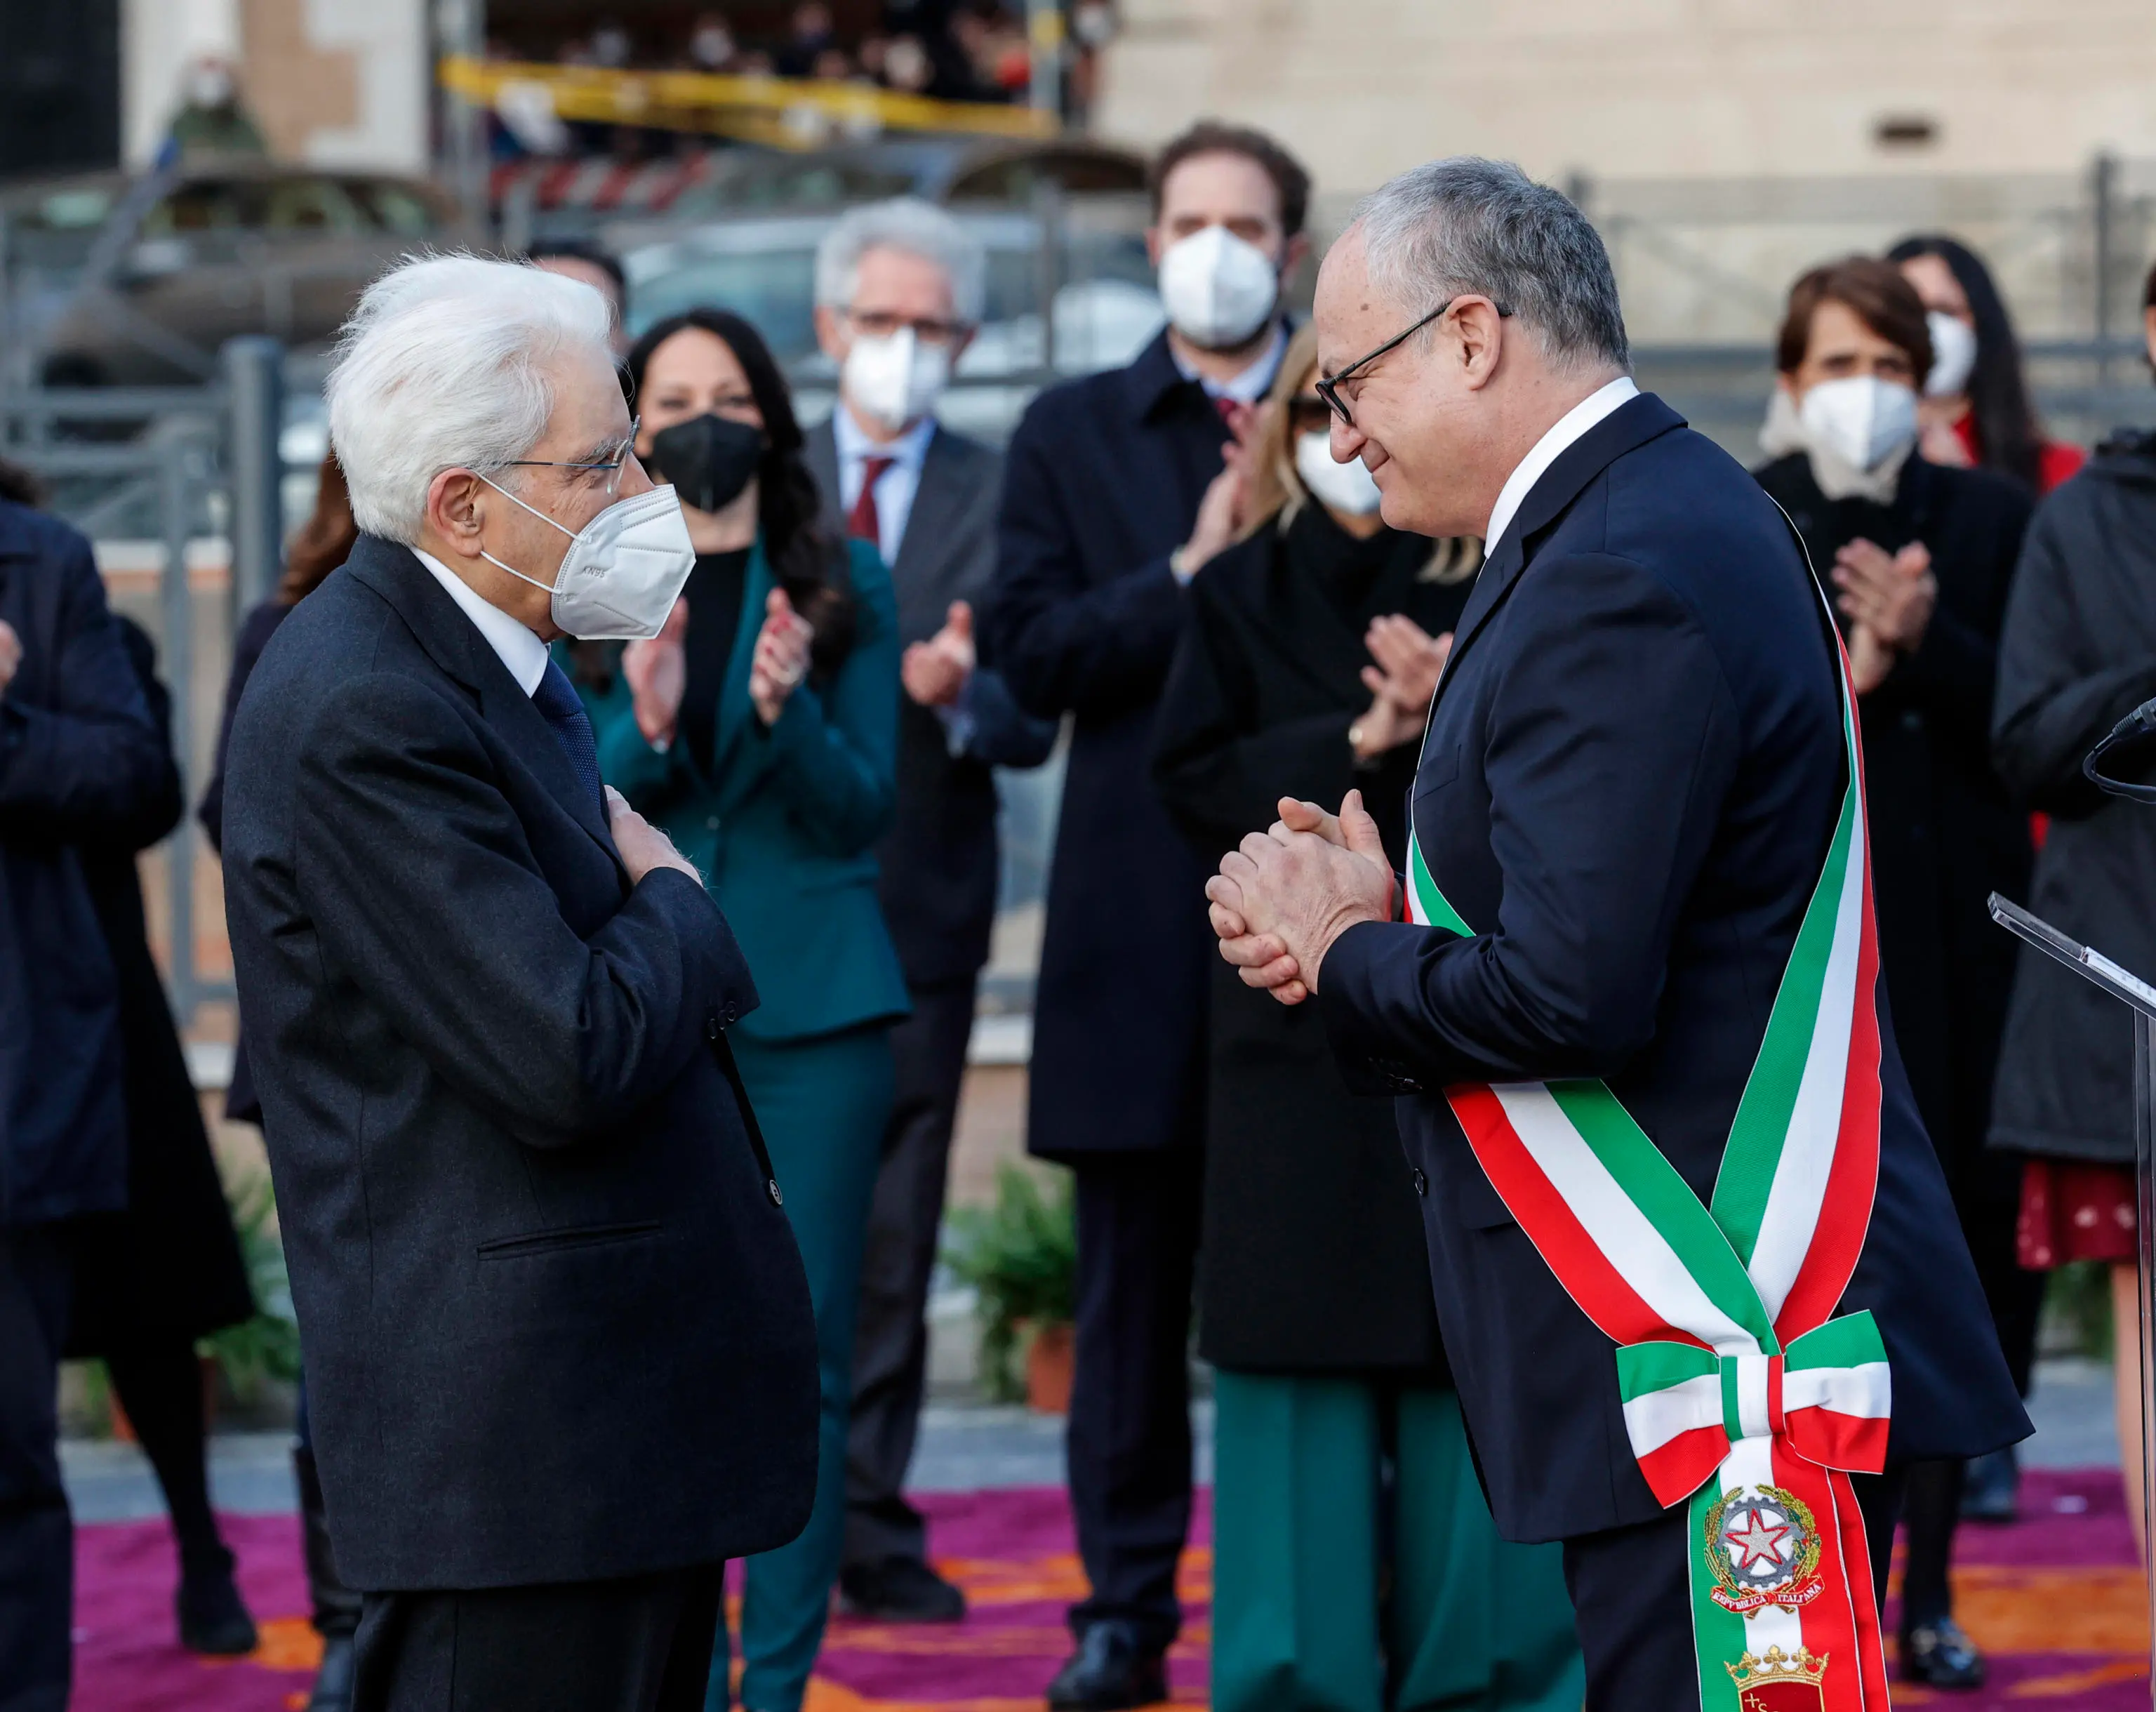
(921, 577)
(733, 695)
(455, 644)
(1631, 424)
(819, 450)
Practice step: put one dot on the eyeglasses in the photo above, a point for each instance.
(1328, 386)
(882, 324)
(612, 457)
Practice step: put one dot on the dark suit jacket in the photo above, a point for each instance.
(1944, 836)
(1102, 483)
(556, 1327)
(1633, 770)
(80, 765)
(1312, 1256)
(938, 861)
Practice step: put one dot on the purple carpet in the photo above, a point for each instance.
(2055, 1600)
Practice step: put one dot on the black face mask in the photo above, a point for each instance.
(708, 459)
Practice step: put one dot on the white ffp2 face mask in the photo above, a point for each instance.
(1953, 355)
(894, 378)
(623, 570)
(1347, 488)
(1217, 289)
(1861, 419)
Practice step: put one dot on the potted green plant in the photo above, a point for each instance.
(1020, 1256)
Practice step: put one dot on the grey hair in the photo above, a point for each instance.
(917, 228)
(1468, 224)
(447, 363)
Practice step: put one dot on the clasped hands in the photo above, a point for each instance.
(1283, 896)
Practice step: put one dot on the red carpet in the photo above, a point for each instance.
(2055, 1600)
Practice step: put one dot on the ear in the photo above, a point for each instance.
(833, 335)
(958, 345)
(1481, 331)
(456, 510)
(1292, 254)
(1156, 242)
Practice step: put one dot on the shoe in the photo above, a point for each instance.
(1109, 1672)
(333, 1681)
(213, 1620)
(899, 1589)
(1940, 1655)
(1993, 1488)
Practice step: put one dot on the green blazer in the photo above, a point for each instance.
(784, 825)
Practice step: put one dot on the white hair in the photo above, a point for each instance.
(915, 227)
(447, 363)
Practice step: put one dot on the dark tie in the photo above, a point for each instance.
(560, 705)
(862, 522)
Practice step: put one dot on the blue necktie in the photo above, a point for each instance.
(557, 700)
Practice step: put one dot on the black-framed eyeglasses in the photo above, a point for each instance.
(611, 458)
(883, 324)
(1328, 386)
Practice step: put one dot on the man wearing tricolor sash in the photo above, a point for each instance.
(1699, 1276)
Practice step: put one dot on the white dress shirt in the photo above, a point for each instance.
(1545, 451)
(894, 488)
(522, 652)
(1246, 386)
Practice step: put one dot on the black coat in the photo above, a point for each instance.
(2078, 654)
(1944, 836)
(1100, 484)
(1633, 768)
(555, 1327)
(169, 1266)
(255, 630)
(1312, 1253)
(80, 764)
(938, 861)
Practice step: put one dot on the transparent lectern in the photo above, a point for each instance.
(2123, 764)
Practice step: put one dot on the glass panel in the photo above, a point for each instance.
(774, 290)
(394, 207)
(310, 206)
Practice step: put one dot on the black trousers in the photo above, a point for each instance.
(37, 1542)
(640, 1644)
(890, 1330)
(1631, 1599)
(1129, 1437)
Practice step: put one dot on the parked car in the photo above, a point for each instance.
(136, 282)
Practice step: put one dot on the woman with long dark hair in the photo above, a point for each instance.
(1976, 412)
(760, 729)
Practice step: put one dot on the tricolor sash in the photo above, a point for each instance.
(1740, 1393)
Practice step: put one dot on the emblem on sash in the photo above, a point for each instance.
(1780, 1682)
(1763, 1545)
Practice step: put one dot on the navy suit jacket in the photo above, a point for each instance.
(556, 1328)
(1632, 772)
(1100, 484)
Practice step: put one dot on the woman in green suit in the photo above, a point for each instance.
(760, 730)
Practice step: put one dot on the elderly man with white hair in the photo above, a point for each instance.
(560, 1358)
(1695, 1261)
(900, 289)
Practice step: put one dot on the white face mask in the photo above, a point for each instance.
(1218, 289)
(1861, 420)
(1342, 487)
(623, 570)
(1953, 355)
(895, 378)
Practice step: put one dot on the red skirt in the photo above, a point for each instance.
(2072, 1210)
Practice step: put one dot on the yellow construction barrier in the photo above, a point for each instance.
(780, 112)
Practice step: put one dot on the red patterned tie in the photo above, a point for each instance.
(861, 521)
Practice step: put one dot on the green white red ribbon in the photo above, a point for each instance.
(1740, 1393)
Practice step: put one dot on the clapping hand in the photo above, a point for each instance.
(934, 672)
(1889, 603)
(781, 659)
(1282, 896)
(658, 673)
(11, 654)
(1408, 662)
(1220, 513)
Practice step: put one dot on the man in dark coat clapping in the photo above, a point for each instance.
(79, 757)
